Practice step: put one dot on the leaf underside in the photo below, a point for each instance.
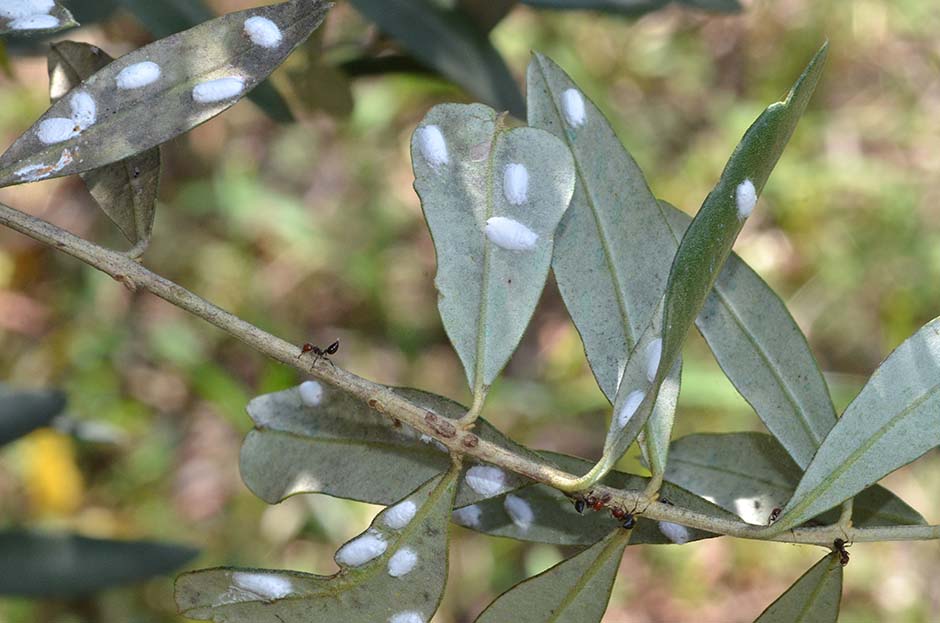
(814, 598)
(55, 19)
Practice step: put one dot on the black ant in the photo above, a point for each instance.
(774, 514)
(839, 546)
(629, 522)
(321, 353)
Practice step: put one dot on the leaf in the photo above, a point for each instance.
(102, 123)
(47, 565)
(891, 422)
(344, 448)
(751, 474)
(492, 198)
(313, 85)
(635, 8)
(814, 598)
(447, 41)
(126, 190)
(487, 13)
(613, 248)
(22, 412)
(168, 17)
(31, 17)
(575, 590)
(399, 565)
(764, 353)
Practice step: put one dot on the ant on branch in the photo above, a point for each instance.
(321, 353)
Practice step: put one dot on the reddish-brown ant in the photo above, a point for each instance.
(321, 353)
(618, 513)
(597, 505)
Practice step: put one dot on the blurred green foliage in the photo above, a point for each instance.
(312, 231)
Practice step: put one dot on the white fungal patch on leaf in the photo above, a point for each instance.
(432, 145)
(263, 32)
(218, 90)
(630, 405)
(516, 183)
(572, 104)
(138, 75)
(745, 196)
(674, 532)
(362, 549)
(402, 562)
(35, 172)
(509, 234)
(400, 515)
(265, 585)
(486, 480)
(407, 617)
(311, 393)
(56, 130)
(654, 352)
(84, 109)
(34, 22)
(13, 9)
(520, 511)
(468, 516)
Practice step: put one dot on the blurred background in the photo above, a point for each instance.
(312, 231)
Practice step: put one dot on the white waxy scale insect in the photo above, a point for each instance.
(468, 516)
(263, 32)
(35, 172)
(630, 405)
(34, 22)
(218, 90)
(402, 562)
(520, 511)
(362, 549)
(674, 532)
(486, 480)
(745, 196)
(56, 130)
(84, 110)
(138, 75)
(432, 145)
(510, 234)
(264, 585)
(311, 393)
(516, 183)
(572, 105)
(406, 617)
(654, 352)
(13, 9)
(400, 515)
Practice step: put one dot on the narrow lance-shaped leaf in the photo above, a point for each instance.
(48, 565)
(159, 91)
(702, 254)
(575, 590)
(492, 198)
(487, 13)
(764, 353)
(33, 17)
(891, 422)
(750, 474)
(814, 598)
(125, 190)
(167, 17)
(634, 8)
(447, 40)
(22, 412)
(395, 571)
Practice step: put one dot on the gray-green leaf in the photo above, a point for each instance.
(751, 474)
(814, 598)
(47, 565)
(22, 412)
(575, 590)
(447, 41)
(397, 567)
(159, 91)
(634, 8)
(125, 190)
(31, 17)
(890, 423)
(492, 198)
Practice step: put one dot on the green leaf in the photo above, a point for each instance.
(446, 40)
(751, 474)
(764, 354)
(399, 565)
(635, 8)
(32, 17)
(46, 565)
(22, 412)
(891, 422)
(487, 13)
(126, 190)
(344, 448)
(717, 6)
(575, 590)
(492, 198)
(814, 598)
(101, 123)
(168, 17)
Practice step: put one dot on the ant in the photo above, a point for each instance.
(774, 514)
(839, 546)
(321, 353)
